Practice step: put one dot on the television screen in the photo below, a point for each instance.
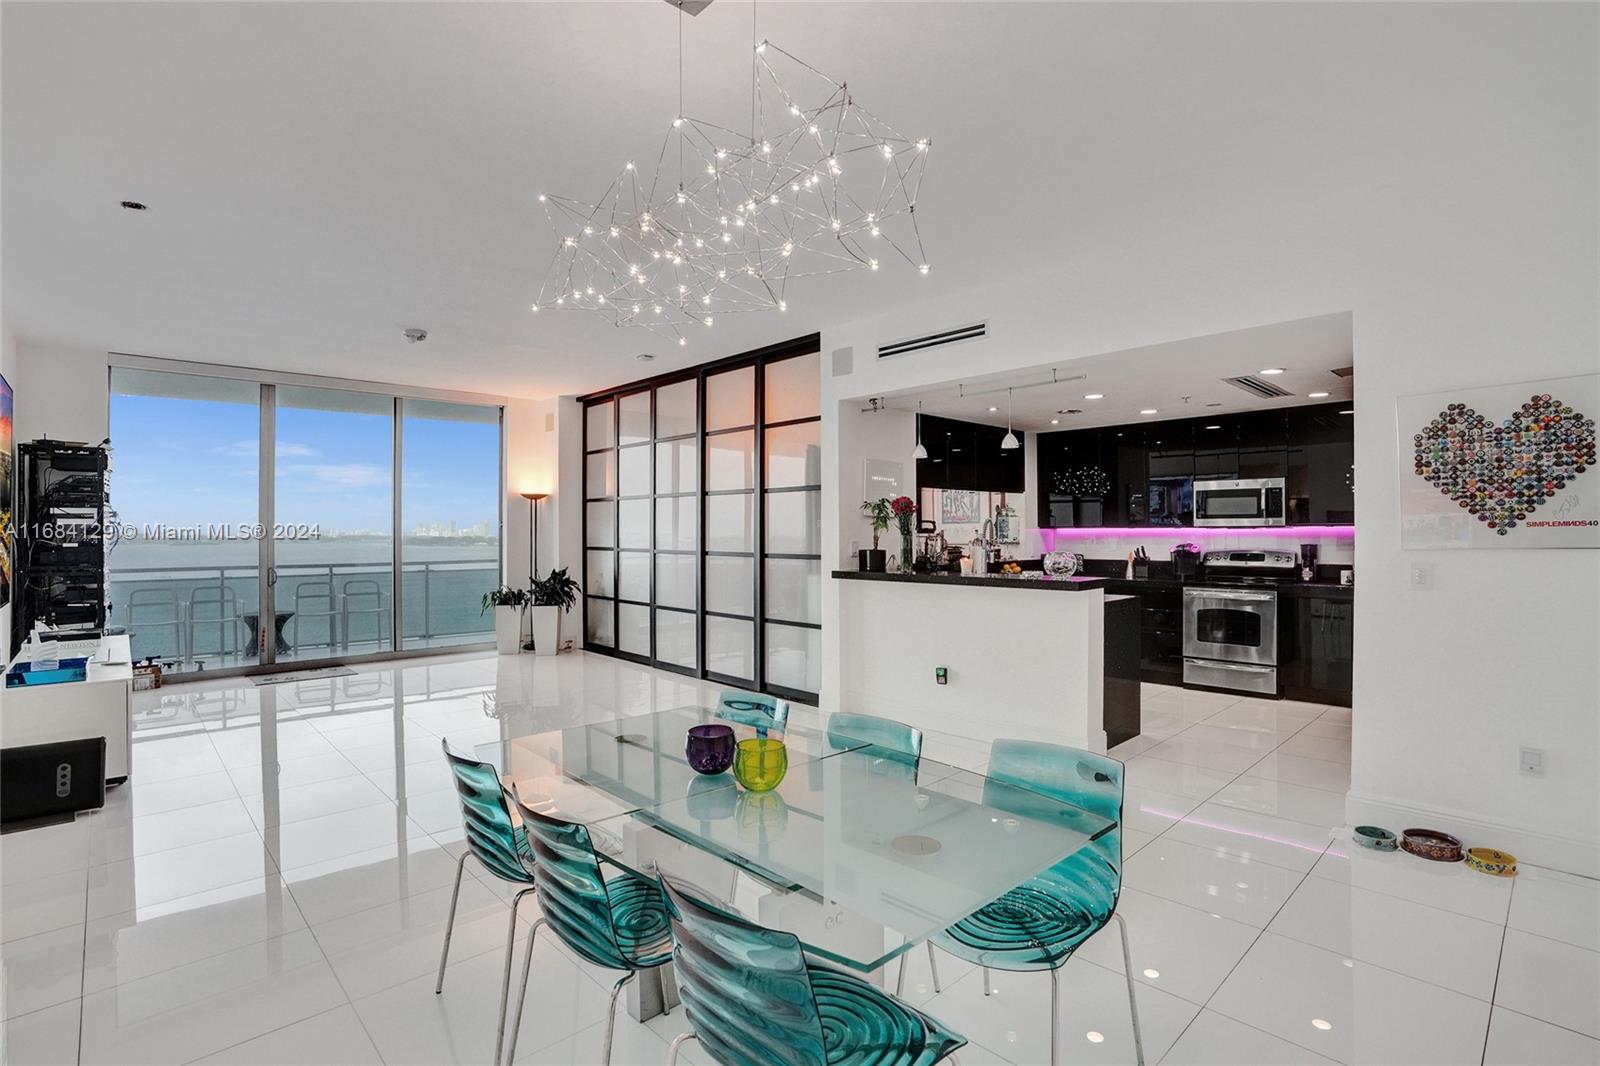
(7, 491)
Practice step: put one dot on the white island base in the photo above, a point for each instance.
(1024, 658)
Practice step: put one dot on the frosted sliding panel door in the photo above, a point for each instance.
(450, 528)
(730, 533)
(333, 495)
(635, 474)
(600, 525)
(677, 504)
(791, 558)
(187, 461)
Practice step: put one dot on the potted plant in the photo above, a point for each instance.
(879, 513)
(553, 597)
(508, 604)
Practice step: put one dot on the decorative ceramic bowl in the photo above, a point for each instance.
(1375, 837)
(709, 748)
(1431, 844)
(1492, 862)
(759, 765)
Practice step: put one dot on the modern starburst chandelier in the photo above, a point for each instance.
(818, 185)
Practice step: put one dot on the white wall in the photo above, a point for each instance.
(1459, 228)
(887, 436)
(65, 393)
(543, 454)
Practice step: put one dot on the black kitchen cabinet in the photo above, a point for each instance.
(1160, 628)
(1316, 647)
(1320, 470)
(967, 455)
(1075, 479)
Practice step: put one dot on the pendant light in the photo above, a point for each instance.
(919, 452)
(1009, 442)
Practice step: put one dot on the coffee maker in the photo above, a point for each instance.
(1185, 560)
(1308, 562)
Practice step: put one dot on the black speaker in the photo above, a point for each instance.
(45, 779)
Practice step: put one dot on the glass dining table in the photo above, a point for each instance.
(859, 851)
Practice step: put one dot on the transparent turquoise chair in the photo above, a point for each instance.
(752, 709)
(753, 1000)
(891, 740)
(620, 923)
(499, 846)
(1039, 924)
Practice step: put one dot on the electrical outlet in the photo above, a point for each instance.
(1421, 576)
(941, 675)
(1532, 761)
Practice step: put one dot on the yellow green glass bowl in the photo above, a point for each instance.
(1492, 862)
(760, 763)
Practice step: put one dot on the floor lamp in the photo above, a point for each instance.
(533, 499)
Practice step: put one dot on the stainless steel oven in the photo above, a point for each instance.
(1230, 638)
(1251, 502)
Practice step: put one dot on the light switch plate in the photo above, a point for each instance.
(1421, 576)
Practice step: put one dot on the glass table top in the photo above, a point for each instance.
(859, 853)
(588, 773)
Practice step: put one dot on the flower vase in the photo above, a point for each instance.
(907, 552)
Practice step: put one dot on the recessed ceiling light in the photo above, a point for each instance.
(1055, 421)
(992, 410)
(1318, 1023)
(1152, 974)
(1094, 396)
(1272, 370)
(1347, 411)
(1094, 1037)
(1317, 395)
(1148, 411)
(1213, 427)
(134, 205)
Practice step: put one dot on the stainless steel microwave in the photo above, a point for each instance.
(1250, 502)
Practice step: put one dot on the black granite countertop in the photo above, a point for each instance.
(1034, 580)
(1287, 588)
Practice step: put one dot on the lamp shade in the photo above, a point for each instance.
(1009, 441)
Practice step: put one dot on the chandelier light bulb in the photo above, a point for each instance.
(887, 151)
(874, 231)
(707, 320)
(873, 263)
(677, 122)
(626, 166)
(561, 299)
(923, 268)
(534, 308)
(541, 198)
(813, 128)
(760, 48)
(656, 309)
(795, 111)
(783, 305)
(682, 341)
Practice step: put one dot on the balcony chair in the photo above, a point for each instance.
(1039, 924)
(364, 596)
(315, 599)
(753, 999)
(149, 611)
(216, 605)
(620, 923)
(499, 845)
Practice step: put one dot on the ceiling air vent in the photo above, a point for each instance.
(1266, 390)
(935, 340)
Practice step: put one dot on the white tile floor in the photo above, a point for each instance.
(214, 912)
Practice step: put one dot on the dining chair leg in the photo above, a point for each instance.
(611, 1018)
(933, 966)
(672, 1052)
(988, 989)
(1055, 1018)
(505, 978)
(1133, 1001)
(522, 990)
(450, 923)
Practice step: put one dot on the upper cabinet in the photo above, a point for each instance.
(1142, 475)
(967, 455)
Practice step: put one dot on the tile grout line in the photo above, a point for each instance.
(1499, 962)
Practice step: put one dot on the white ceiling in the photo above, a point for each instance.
(1182, 379)
(322, 176)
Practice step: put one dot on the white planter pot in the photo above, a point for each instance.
(508, 630)
(546, 630)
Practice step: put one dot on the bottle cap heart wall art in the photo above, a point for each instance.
(1508, 466)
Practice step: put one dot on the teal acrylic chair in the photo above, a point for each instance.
(754, 1000)
(620, 923)
(494, 839)
(1039, 924)
(890, 740)
(752, 709)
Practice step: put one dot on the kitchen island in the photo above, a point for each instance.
(1023, 656)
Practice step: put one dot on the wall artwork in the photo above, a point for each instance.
(7, 490)
(1508, 466)
(959, 507)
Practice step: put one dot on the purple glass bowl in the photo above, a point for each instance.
(710, 748)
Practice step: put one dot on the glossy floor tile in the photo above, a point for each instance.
(272, 885)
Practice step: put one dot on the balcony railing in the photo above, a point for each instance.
(203, 617)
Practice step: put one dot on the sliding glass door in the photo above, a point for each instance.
(260, 521)
(703, 521)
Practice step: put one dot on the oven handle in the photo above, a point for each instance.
(1240, 597)
(1212, 664)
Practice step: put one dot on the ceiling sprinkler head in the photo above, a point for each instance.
(415, 335)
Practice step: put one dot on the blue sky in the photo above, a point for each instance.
(187, 462)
